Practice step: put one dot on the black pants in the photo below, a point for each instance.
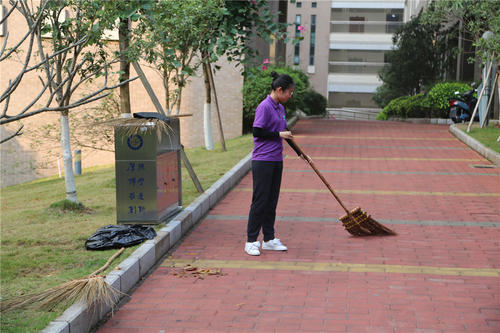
(266, 190)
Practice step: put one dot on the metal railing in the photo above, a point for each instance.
(356, 114)
(355, 67)
(386, 27)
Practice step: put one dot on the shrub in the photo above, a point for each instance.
(433, 105)
(257, 86)
(417, 106)
(382, 115)
(314, 103)
(393, 109)
(440, 93)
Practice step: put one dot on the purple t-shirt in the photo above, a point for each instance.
(270, 116)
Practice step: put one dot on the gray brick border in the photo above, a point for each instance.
(488, 153)
(436, 121)
(78, 319)
(133, 268)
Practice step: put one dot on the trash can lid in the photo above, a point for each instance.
(152, 115)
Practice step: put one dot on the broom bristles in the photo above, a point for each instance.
(359, 223)
(93, 290)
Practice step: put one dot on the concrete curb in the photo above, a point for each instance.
(437, 121)
(486, 152)
(79, 319)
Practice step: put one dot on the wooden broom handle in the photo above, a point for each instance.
(309, 160)
(113, 257)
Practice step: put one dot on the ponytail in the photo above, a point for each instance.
(281, 80)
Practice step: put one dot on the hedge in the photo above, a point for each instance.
(440, 93)
(433, 105)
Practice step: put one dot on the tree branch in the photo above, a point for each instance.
(4, 43)
(17, 80)
(6, 106)
(82, 101)
(79, 42)
(18, 132)
(14, 5)
(31, 24)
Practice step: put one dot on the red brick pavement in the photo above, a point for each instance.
(269, 299)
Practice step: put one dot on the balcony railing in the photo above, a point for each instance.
(381, 27)
(354, 67)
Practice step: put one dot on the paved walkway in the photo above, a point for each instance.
(441, 273)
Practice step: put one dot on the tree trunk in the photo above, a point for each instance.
(123, 33)
(460, 52)
(207, 122)
(168, 109)
(212, 84)
(67, 159)
(178, 102)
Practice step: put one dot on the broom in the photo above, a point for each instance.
(92, 289)
(356, 222)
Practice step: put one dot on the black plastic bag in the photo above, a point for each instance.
(118, 236)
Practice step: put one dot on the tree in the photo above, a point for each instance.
(71, 53)
(169, 36)
(79, 64)
(476, 17)
(230, 37)
(36, 20)
(32, 24)
(180, 36)
(416, 61)
(123, 14)
(88, 127)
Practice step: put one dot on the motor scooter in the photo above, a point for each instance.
(462, 106)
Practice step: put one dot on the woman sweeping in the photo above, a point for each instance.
(269, 128)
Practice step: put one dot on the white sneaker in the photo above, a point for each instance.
(274, 244)
(252, 248)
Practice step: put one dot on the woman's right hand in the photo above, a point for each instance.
(286, 135)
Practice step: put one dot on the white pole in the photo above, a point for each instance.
(489, 102)
(485, 83)
(207, 127)
(69, 177)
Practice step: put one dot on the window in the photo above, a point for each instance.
(296, 58)
(299, 4)
(393, 20)
(314, 4)
(355, 26)
(312, 40)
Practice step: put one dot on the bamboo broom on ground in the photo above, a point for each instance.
(356, 221)
(93, 290)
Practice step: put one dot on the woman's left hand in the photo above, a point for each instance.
(286, 135)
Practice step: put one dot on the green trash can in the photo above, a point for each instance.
(148, 172)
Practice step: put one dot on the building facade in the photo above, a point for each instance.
(33, 155)
(345, 43)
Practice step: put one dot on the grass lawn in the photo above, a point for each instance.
(487, 136)
(42, 247)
